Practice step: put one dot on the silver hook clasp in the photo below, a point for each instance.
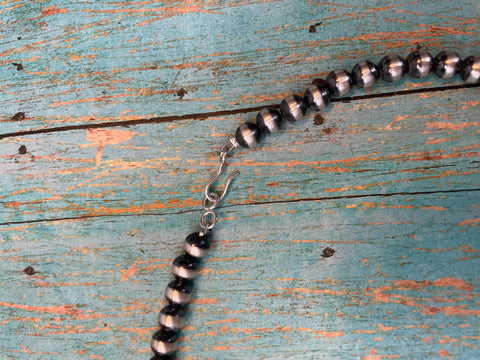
(211, 199)
(213, 196)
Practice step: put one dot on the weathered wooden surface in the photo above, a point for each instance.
(125, 104)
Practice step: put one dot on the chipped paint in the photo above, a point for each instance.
(389, 180)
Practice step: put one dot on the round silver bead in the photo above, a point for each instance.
(293, 108)
(164, 342)
(179, 292)
(365, 74)
(419, 63)
(171, 317)
(269, 120)
(317, 97)
(248, 135)
(470, 71)
(185, 266)
(196, 245)
(392, 67)
(177, 297)
(446, 64)
(339, 82)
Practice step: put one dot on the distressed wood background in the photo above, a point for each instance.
(111, 117)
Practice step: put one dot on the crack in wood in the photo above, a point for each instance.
(206, 115)
(255, 203)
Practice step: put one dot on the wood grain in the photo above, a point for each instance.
(94, 172)
(90, 62)
(125, 106)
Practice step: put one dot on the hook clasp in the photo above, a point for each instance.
(211, 199)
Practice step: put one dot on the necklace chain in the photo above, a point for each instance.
(391, 68)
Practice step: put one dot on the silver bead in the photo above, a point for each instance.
(171, 317)
(446, 64)
(269, 120)
(293, 108)
(317, 97)
(419, 63)
(185, 266)
(392, 67)
(164, 342)
(470, 71)
(339, 82)
(248, 135)
(365, 74)
(196, 245)
(179, 292)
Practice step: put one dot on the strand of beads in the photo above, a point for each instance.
(391, 68)
(365, 74)
(178, 293)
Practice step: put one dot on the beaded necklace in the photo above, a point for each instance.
(365, 74)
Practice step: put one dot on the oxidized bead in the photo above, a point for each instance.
(392, 67)
(196, 245)
(419, 63)
(293, 108)
(365, 74)
(172, 317)
(164, 342)
(179, 291)
(339, 82)
(185, 266)
(470, 70)
(446, 64)
(317, 97)
(248, 135)
(269, 120)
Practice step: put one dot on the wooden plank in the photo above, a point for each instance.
(162, 168)
(102, 179)
(402, 222)
(89, 63)
(397, 285)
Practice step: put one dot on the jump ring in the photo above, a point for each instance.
(214, 199)
(208, 224)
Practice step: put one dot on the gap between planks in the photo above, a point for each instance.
(323, 198)
(206, 115)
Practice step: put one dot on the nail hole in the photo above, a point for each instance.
(18, 116)
(313, 28)
(19, 66)
(29, 270)
(318, 119)
(181, 93)
(22, 150)
(328, 252)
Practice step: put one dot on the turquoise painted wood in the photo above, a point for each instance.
(94, 62)
(125, 106)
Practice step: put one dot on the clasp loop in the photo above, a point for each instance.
(211, 199)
